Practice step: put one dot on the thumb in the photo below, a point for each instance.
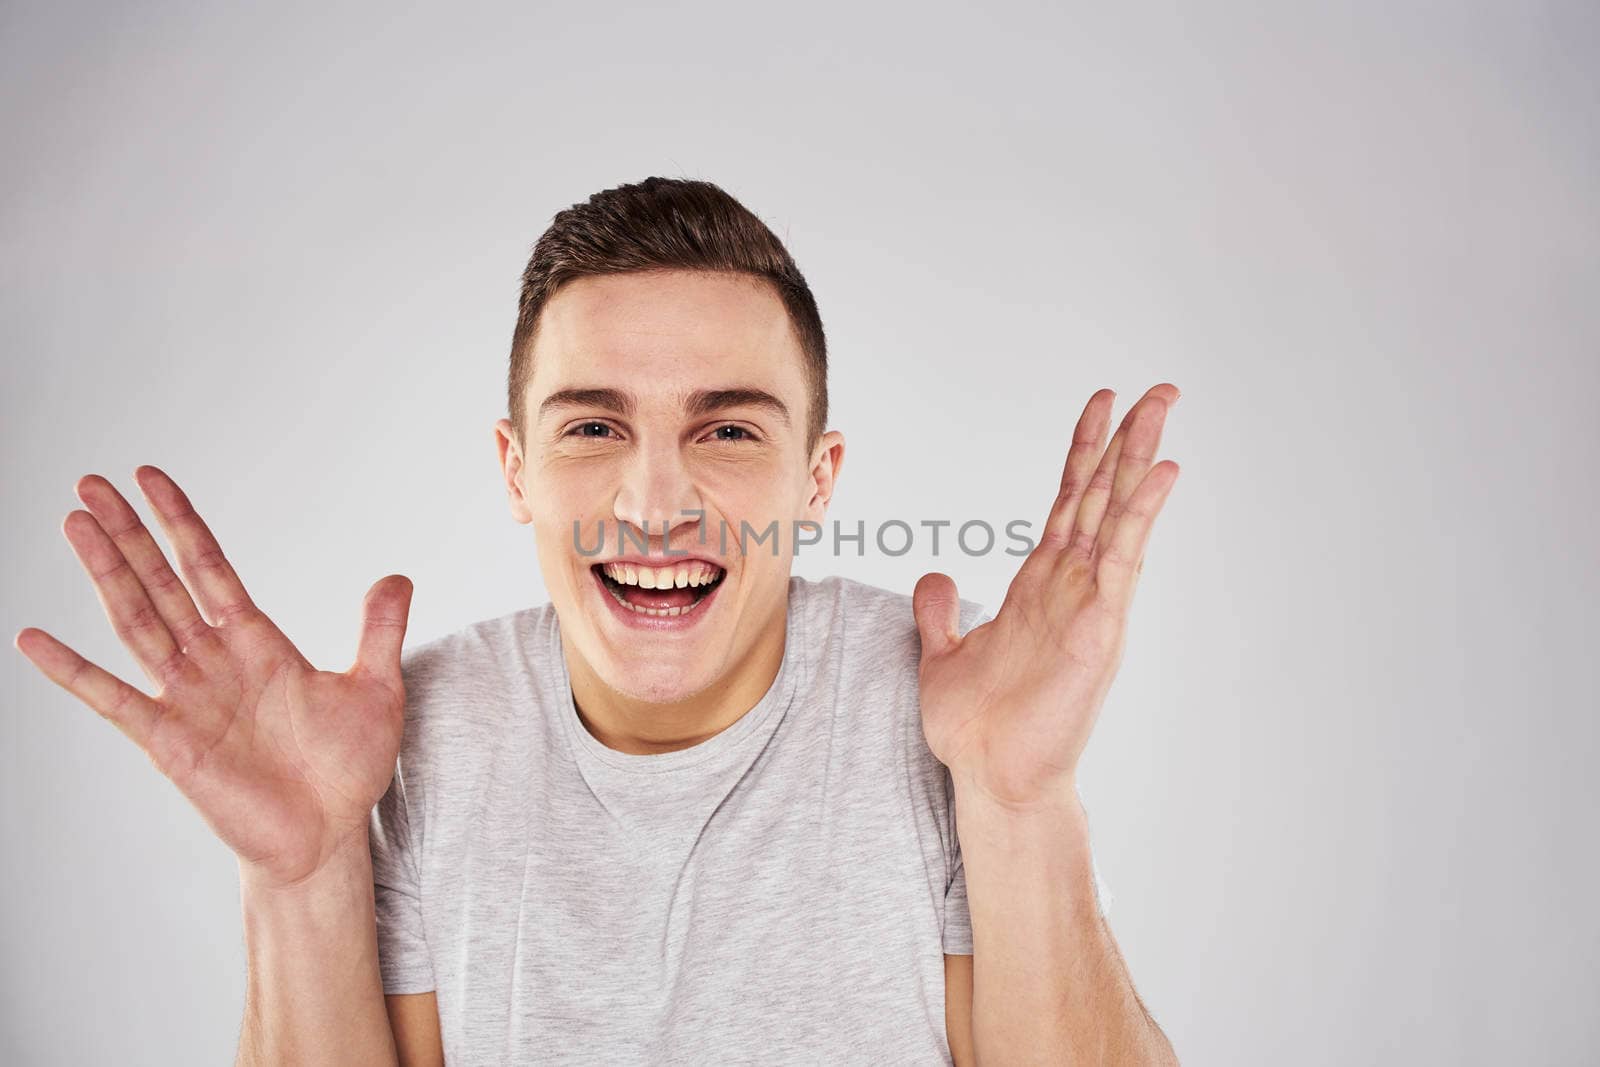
(938, 613)
(383, 626)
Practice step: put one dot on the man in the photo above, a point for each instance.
(694, 809)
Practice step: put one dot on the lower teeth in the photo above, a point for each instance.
(659, 612)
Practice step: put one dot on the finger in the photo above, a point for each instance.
(134, 618)
(937, 610)
(1138, 453)
(118, 702)
(1117, 572)
(1088, 443)
(217, 589)
(1098, 495)
(149, 563)
(383, 626)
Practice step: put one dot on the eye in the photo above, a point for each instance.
(590, 430)
(731, 432)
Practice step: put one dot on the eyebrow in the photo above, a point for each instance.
(609, 399)
(699, 403)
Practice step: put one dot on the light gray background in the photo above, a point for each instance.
(1343, 790)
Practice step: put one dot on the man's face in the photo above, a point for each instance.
(672, 406)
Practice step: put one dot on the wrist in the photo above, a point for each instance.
(983, 817)
(1048, 799)
(342, 862)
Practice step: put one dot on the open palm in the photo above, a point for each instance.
(283, 761)
(1009, 706)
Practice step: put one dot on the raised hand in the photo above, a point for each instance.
(282, 760)
(1010, 706)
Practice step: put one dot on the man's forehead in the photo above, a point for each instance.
(675, 328)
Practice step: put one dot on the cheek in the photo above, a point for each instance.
(757, 504)
(558, 500)
(560, 492)
(758, 478)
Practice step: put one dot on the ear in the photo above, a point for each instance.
(506, 444)
(826, 460)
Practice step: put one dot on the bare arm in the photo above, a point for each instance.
(313, 994)
(414, 1018)
(1008, 707)
(1049, 984)
(958, 1009)
(283, 761)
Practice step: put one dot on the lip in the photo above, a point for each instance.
(661, 561)
(659, 624)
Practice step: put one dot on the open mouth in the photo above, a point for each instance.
(660, 592)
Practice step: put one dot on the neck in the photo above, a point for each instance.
(643, 727)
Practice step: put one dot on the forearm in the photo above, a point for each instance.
(313, 993)
(1049, 986)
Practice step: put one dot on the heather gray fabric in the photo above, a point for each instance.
(782, 893)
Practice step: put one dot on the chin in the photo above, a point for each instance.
(651, 685)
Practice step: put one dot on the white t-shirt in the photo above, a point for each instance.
(783, 892)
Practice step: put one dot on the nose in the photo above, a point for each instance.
(657, 495)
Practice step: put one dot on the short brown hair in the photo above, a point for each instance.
(665, 224)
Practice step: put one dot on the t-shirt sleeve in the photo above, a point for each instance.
(403, 960)
(957, 919)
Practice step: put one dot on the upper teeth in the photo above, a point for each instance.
(680, 575)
